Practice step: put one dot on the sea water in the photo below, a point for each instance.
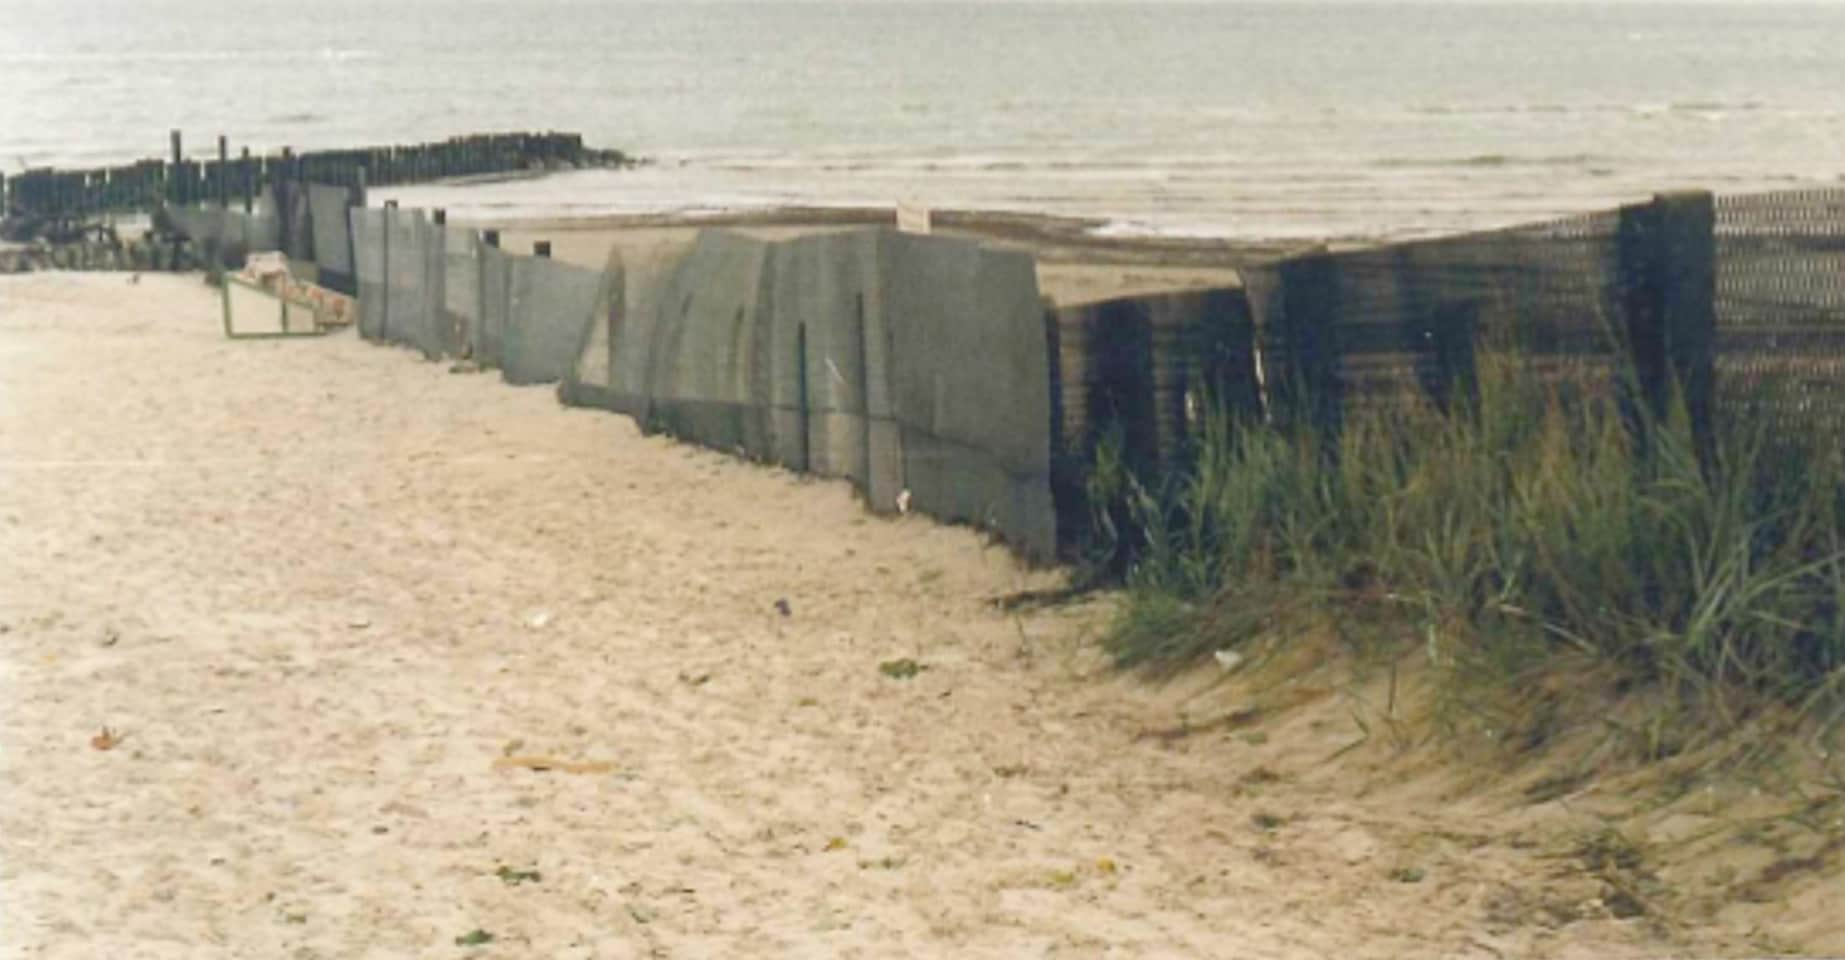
(1239, 119)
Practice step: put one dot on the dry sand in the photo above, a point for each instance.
(323, 591)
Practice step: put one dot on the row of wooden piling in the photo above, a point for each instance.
(50, 193)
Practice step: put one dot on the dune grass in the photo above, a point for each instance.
(1525, 531)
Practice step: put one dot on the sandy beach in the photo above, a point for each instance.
(399, 662)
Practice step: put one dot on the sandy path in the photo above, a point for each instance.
(323, 587)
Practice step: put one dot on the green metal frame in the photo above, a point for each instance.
(227, 281)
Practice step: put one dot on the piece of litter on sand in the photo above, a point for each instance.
(1228, 659)
(783, 608)
(546, 764)
(108, 739)
(359, 623)
(539, 619)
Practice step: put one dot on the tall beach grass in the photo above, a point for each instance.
(1523, 532)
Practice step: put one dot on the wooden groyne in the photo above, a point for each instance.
(48, 194)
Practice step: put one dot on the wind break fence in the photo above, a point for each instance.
(1733, 307)
(914, 366)
(308, 222)
(927, 371)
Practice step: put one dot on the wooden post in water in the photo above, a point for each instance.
(440, 216)
(491, 238)
(541, 248)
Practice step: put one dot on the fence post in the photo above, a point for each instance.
(1067, 498)
(1669, 288)
(248, 181)
(1303, 377)
(384, 299)
(1118, 337)
(1221, 338)
(477, 335)
(801, 396)
(174, 188)
(434, 263)
(224, 168)
(281, 189)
